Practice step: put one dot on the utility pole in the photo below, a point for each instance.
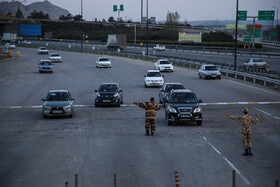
(235, 42)
(141, 12)
(147, 45)
(82, 40)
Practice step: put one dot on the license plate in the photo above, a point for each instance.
(214, 76)
(185, 116)
(106, 101)
(57, 111)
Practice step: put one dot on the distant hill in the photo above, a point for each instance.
(46, 7)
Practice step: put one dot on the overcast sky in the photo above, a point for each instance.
(190, 10)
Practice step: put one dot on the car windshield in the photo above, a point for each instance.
(183, 98)
(164, 62)
(45, 63)
(258, 60)
(174, 87)
(153, 74)
(54, 54)
(58, 96)
(108, 88)
(103, 59)
(43, 48)
(210, 68)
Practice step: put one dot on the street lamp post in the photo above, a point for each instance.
(235, 42)
(147, 45)
(19, 18)
(276, 14)
(81, 22)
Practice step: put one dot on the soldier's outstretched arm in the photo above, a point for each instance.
(142, 105)
(232, 117)
(255, 121)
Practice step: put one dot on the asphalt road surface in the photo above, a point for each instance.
(98, 142)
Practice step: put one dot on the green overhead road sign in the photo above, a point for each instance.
(242, 15)
(266, 15)
(258, 30)
(115, 8)
(247, 39)
(121, 7)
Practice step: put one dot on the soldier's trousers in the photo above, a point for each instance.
(150, 123)
(246, 139)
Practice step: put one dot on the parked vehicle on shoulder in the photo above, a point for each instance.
(163, 65)
(103, 62)
(183, 106)
(255, 64)
(10, 46)
(45, 66)
(209, 71)
(55, 57)
(153, 78)
(159, 47)
(26, 42)
(165, 90)
(58, 103)
(109, 94)
(42, 50)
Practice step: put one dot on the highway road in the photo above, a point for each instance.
(98, 142)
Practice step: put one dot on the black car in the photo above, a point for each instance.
(183, 105)
(109, 94)
(165, 90)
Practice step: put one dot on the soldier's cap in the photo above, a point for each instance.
(245, 110)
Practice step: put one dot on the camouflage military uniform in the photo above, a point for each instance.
(246, 122)
(150, 115)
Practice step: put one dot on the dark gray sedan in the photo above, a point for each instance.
(45, 66)
(58, 103)
(165, 90)
(109, 94)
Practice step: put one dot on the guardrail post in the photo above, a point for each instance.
(66, 184)
(264, 83)
(233, 178)
(115, 180)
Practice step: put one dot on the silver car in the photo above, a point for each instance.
(255, 63)
(45, 66)
(209, 71)
(58, 103)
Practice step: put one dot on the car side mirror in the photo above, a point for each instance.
(200, 101)
(161, 89)
(144, 75)
(162, 75)
(121, 90)
(95, 90)
(43, 99)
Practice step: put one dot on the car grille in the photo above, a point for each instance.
(106, 96)
(185, 110)
(46, 68)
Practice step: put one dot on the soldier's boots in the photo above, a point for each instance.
(246, 153)
(152, 133)
(147, 133)
(249, 152)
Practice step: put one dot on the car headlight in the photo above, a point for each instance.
(115, 95)
(197, 110)
(67, 106)
(97, 94)
(171, 110)
(160, 80)
(47, 107)
(148, 80)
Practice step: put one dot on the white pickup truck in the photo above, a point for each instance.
(55, 57)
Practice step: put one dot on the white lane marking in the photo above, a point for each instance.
(36, 107)
(263, 111)
(229, 163)
(15, 106)
(277, 118)
(260, 89)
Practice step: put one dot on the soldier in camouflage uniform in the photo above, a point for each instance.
(150, 115)
(245, 121)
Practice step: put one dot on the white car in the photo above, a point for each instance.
(163, 65)
(159, 47)
(10, 46)
(209, 71)
(103, 62)
(26, 42)
(153, 78)
(55, 57)
(42, 50)
(255, 63)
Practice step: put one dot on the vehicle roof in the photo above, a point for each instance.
(58, 91)
(45, 60)
(209, 65)
(163, 59)
(42, 47)
(173, 83)
(153, 71)
(103, 57)
(182, 91)
(54, 54)
(110, 83)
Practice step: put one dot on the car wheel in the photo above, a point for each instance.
(71, 116)
(146, 86)
(45, 116)
(169, 123)
(199, 122)
(96, 105)
(118, 104)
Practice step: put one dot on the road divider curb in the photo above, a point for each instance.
(133, 105)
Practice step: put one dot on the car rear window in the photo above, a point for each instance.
(54, 54)
(43, 48)
(108, 88)
(58, 96)
(183, 98)
(103, 59)
(210, 68)
(164, 62)
(45, 63)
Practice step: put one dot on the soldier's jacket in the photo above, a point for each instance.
(151, 109)
(245, 121)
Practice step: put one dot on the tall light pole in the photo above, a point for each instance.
(276, 14)
(82, 40)
(235, 42)
(141, 11)
(147, 46)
